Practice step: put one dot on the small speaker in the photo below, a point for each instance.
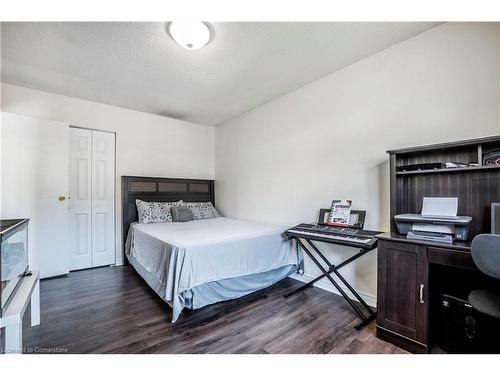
(495, 218)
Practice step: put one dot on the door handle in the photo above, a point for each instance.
(421, 294)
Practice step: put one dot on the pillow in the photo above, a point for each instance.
(181, 213)
(202, 210)
(154, 212)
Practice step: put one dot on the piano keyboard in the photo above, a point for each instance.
(331, 236)
(342, 236)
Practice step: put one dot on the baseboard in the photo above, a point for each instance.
(55, 276)
(327, 285)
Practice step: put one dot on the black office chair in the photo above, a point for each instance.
(486, 256)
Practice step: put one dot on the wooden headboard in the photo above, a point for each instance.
(160, 189)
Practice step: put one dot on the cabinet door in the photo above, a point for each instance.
(402, 301)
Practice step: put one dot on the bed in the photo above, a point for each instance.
(196, 263)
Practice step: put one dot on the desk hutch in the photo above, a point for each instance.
(412, 273)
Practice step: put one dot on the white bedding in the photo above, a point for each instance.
(182, 256)
(209, 231)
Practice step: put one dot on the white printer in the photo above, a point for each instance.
(437, 222)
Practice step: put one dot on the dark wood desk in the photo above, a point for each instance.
(413, 274)
(403, 296)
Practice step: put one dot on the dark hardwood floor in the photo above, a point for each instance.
(112, 310)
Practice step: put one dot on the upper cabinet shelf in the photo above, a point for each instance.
(476, 187)
(476, 142)
(465, 152)
(448, 170)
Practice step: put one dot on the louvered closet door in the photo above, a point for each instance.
(80, 202)
(103, 198)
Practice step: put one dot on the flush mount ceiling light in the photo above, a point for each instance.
(190, 35)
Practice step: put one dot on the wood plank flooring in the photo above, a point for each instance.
(112, 310)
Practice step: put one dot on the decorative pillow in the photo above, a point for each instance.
(202, 210)
(181, 213)
(154, 212)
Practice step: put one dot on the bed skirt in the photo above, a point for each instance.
(220, 290)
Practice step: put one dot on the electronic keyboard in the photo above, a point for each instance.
(364, 239)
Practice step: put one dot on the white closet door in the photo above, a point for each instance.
(80, 203)
(103, 198)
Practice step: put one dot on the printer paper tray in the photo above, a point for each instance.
(435, 237)
(434, 228)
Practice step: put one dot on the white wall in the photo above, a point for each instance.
(146, 145)
(281, 162)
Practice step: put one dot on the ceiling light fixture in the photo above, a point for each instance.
(190, 35)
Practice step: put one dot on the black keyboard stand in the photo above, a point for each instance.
(369, 314)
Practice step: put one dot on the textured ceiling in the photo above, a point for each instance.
(137, 66)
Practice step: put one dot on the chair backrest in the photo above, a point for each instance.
(486, 254)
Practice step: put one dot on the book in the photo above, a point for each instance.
(340, 212)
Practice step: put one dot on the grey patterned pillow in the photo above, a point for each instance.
(181, 213)
(154, 212)
(202, 210)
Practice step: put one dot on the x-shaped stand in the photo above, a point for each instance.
(335, 269)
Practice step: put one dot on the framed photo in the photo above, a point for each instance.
(356, 220)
